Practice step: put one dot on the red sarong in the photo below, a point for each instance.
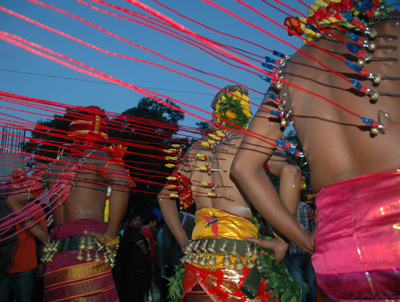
(66, 278)
(357, 245)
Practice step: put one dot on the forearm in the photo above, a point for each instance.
(262, 194)
(289, 187)
(118, 204)
(171, 217)
(15, 204)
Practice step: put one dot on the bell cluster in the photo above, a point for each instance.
(210, 248)
(86, 248)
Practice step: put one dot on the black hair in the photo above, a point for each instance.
(150, 216)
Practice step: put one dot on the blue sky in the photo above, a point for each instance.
(27, 74)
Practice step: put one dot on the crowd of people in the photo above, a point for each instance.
(354, 169)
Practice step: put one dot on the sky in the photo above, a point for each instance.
(28, 74)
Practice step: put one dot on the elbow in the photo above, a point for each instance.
(239, 169)
(293, 170)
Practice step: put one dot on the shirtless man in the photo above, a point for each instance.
(352, 168)
(223, 215)
(80, 241)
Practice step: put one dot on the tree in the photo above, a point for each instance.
(145, 142)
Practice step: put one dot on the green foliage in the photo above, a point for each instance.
(175, 285)
(281, 282)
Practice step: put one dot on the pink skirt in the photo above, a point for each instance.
(357, 245)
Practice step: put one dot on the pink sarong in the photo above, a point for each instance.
(69, 279)
(357, 245)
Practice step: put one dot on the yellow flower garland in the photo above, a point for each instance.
(235, 108)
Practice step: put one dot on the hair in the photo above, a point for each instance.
(150, 216)
(133, 215)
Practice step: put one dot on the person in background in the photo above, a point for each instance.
(19, 278)
(135, 261)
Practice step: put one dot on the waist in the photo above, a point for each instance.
(217, 252)
(87, 247)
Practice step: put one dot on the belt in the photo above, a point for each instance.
(228, 247)
(87, 244)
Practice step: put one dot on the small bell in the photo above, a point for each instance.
(96, 256)
(250, 263)
(239, 263)
(234, 250)
(187, 259)
(211, 246)
(88, 256)
(373, 94)
(196, 245)
(248, 251)
(203, 246)
(374, 131)
(223, 247)
(80, 255)
(196, 259)
(82, 243)
(203, 259)
(211, 260)
(226, 261)
(90, 245)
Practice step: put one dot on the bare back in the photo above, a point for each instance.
(231, 199)
(337, 144)
(87, 199)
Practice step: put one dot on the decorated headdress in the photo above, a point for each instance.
(92, 125)
(232, 104)
(329, 13)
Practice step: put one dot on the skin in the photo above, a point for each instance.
(279, 165)
(87, 200)
(338, 146)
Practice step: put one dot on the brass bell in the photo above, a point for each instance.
(255, 253)
(82, 243)
(226, 261)
(211, 260)
(376, 78)
(203, 259)
(279, 85)
(96, 256)
(203, 246)
(196, 245)
(283, 123)
(88, 256)
(196, 259)
(374, 131)
(90, 245)
(187, 258)
(374, 94)
(248, 251)
(80, 255)
(234, 250)
(211, 246)
(223, 247)
(239, 263)
(250, 263)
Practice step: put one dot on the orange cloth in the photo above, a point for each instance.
(24, 253)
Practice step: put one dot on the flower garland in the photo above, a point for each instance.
(235, 108)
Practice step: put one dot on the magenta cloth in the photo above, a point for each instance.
(357, 245)
(98, 286)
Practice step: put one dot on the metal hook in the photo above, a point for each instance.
(381, 126)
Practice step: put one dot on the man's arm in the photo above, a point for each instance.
(290, 179)
(15, 203)
(171, 217)
(248, 170)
